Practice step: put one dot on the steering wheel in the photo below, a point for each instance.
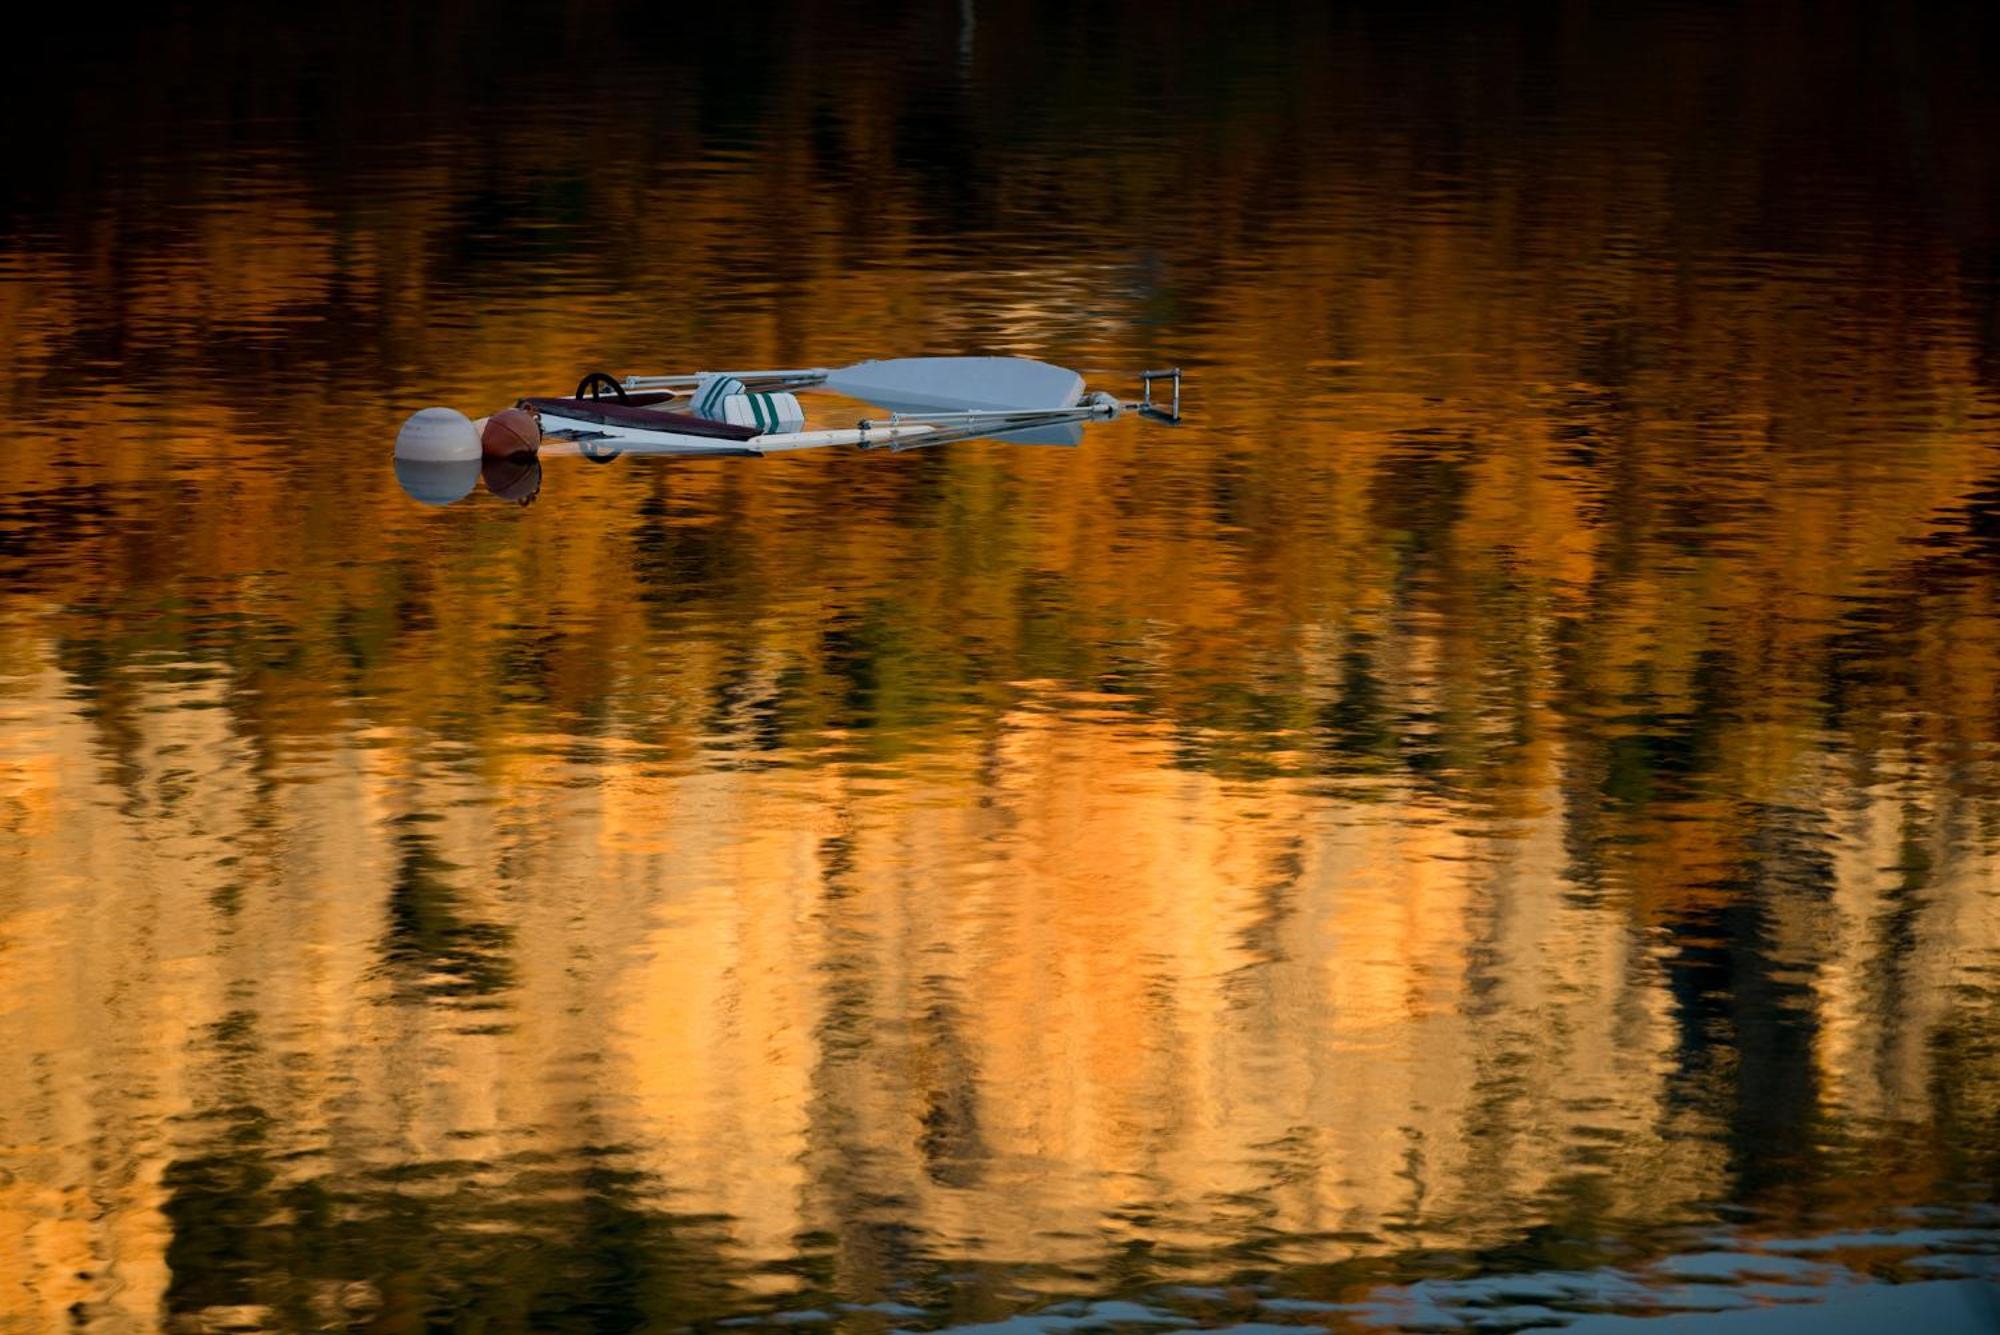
(593, 386)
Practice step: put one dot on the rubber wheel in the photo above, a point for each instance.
(593, 386)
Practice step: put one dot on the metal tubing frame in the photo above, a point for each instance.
(1031, 416)
(1146, 379)
(798, 378)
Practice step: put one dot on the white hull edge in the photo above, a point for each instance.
(596, 442)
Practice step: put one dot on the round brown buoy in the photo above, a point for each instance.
(509, 432)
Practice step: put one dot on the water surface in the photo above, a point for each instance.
(1496, 821)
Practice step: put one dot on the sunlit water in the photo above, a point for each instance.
(1494, 822)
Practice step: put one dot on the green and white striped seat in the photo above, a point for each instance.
(767, 412)
(710, 392)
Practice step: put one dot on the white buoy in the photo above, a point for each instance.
(438, 435)
(437, 481)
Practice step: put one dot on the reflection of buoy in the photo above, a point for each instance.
(438, 435)
(517, 479)
(439, 481)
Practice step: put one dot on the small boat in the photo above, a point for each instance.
(637, 423)
(931, 400)
(928, 401)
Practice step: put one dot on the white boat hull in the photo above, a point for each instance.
(592, 440)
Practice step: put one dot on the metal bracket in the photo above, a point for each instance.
(1146, 405)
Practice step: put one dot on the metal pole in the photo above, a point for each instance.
(808, 376)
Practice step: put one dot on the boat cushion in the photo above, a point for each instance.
(711, 391)
(777, 411)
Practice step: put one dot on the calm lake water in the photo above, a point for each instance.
(1494, 822)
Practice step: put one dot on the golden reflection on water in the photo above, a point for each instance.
(1518, 766)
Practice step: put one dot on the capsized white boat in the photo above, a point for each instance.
(929, 401)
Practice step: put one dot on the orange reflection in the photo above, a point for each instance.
(1544, 692)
